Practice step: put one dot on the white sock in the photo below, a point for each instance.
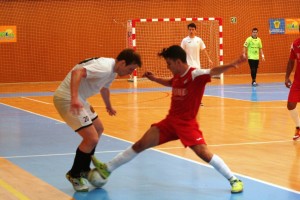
(295, 117)
(221, 167)
(121, 159)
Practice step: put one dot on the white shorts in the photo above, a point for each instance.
(76, 122)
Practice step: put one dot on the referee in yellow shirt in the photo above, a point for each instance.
(253, 45)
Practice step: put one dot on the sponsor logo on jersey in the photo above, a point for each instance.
(179, 91)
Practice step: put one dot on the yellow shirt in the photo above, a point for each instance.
(253, 45)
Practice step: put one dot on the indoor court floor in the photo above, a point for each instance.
(250, 128)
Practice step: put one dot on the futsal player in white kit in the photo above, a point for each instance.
(89, 77)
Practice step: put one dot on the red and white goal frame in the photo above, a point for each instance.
(131, 33)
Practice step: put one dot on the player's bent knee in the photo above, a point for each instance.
(100, 131)
(139, 147)
(91, 142)
(202, 152)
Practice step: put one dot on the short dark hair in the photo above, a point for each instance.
(192, 25)
(254, 29)
(173, 52)
(130, 57)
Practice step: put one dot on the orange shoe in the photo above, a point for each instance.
(297, 134)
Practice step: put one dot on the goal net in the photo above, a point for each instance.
(150, 36)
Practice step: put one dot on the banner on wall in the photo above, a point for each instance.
(292, 26)
(284, 26)
(8, 34)
(277, 26)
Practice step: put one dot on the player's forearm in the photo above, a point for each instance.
(262, 53)
(244, 50)
(162, 81)
(206, 53)
(105, 93)
(221, 69)
(289, 68)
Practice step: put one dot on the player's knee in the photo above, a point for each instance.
(92, 141)
(139, 146)
(206, 156)
(100, 130)
(203, 152)
(291, 106)
(95, 142)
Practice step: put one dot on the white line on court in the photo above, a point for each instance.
(163, 107)
(35, 100)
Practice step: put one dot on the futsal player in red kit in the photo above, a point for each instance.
(188, 86)
(294, 95)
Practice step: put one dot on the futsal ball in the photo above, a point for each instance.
(95, 178)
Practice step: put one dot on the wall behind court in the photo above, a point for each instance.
(52, 36)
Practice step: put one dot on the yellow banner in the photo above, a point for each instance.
(292, 26)
(8, 34)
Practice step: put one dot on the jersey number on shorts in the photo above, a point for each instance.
(86, 118)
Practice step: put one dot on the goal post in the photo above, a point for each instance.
(149, 36)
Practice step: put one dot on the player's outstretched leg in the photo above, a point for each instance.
(102, 168)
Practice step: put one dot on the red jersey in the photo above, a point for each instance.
(295, 55)
(294, 94)
(187, 93)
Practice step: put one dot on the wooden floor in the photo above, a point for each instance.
(16, 183)
(253, 138)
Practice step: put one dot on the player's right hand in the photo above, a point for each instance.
(76, 107)
(111, 111)
(288, 83)
(240, 60)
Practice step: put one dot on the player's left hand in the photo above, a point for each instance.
(149, 75)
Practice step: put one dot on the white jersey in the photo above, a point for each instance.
(192, 47)
(100, 73)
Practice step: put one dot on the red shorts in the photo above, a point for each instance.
(173, 129)
(294, 95)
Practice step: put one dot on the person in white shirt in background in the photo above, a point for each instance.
(193, 45)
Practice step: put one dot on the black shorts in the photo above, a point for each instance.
(253, 63)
